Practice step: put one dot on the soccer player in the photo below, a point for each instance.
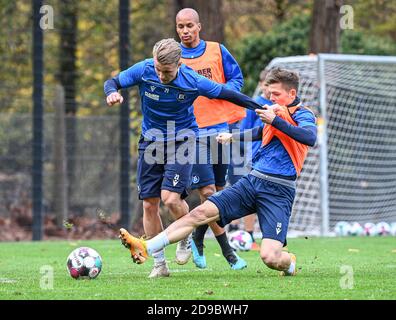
(167, 90)
(249, 149)
(269, 189)
(215, 62)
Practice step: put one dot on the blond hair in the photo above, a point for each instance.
(167, 51)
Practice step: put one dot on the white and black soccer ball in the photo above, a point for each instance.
(383, 228)
(342, 228)
(240, 240)
(355, 229)
(369, 229)
(84, 263)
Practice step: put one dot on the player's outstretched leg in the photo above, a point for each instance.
(136, 246)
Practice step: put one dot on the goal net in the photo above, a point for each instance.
(350, 175)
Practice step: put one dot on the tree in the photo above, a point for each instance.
(325, 27)
(67, 76)
(210, 14)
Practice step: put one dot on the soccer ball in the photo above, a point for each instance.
(342, 228)
(84, 263)
(240, 240)
(355, 229)
(369, 229)
(383, 229)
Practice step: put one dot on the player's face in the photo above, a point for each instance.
(280, 95)
(166, 72)
(264, 89)
(188, 31)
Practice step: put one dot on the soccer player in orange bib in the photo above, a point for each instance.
(215, 62)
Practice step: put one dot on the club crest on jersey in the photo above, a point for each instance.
(176, 179)
(181, 96)
(195, 179)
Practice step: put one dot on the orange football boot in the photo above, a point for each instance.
(137, 246)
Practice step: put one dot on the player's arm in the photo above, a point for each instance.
(124, 79)
(305, 135)
(232, 71)
(214, 90)
(111, 88)
(305, 132)
(238, 98)
(254, 134)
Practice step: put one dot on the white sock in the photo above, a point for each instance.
(291, 268)
(159, 256)
(157, 243)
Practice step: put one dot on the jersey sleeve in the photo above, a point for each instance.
(132, 76)
(232, 71)
(304, 118)
(207, 88)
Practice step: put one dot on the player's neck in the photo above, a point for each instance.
(193, 44)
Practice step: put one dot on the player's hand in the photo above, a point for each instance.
(114, 98)
(266, 115)
(224, 138)
(276, 108)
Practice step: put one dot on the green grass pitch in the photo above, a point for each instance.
(328, 268)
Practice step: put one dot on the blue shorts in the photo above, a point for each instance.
(234, 178)
(211, 164)
(272, 201)
(160, 167)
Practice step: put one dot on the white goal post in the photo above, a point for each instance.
(350, 175)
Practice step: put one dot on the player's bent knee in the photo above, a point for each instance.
(270, 258)
(150, 206)
(171, 201)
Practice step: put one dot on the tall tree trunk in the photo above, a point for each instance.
(210, 14)
(60, 178)
(325, 26)
(67, 77)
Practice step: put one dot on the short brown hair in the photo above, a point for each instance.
(288, 78)
(263, 75)
(167, 51)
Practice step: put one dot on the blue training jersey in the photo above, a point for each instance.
(273, 158)
(232, 73)
(167, 108)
